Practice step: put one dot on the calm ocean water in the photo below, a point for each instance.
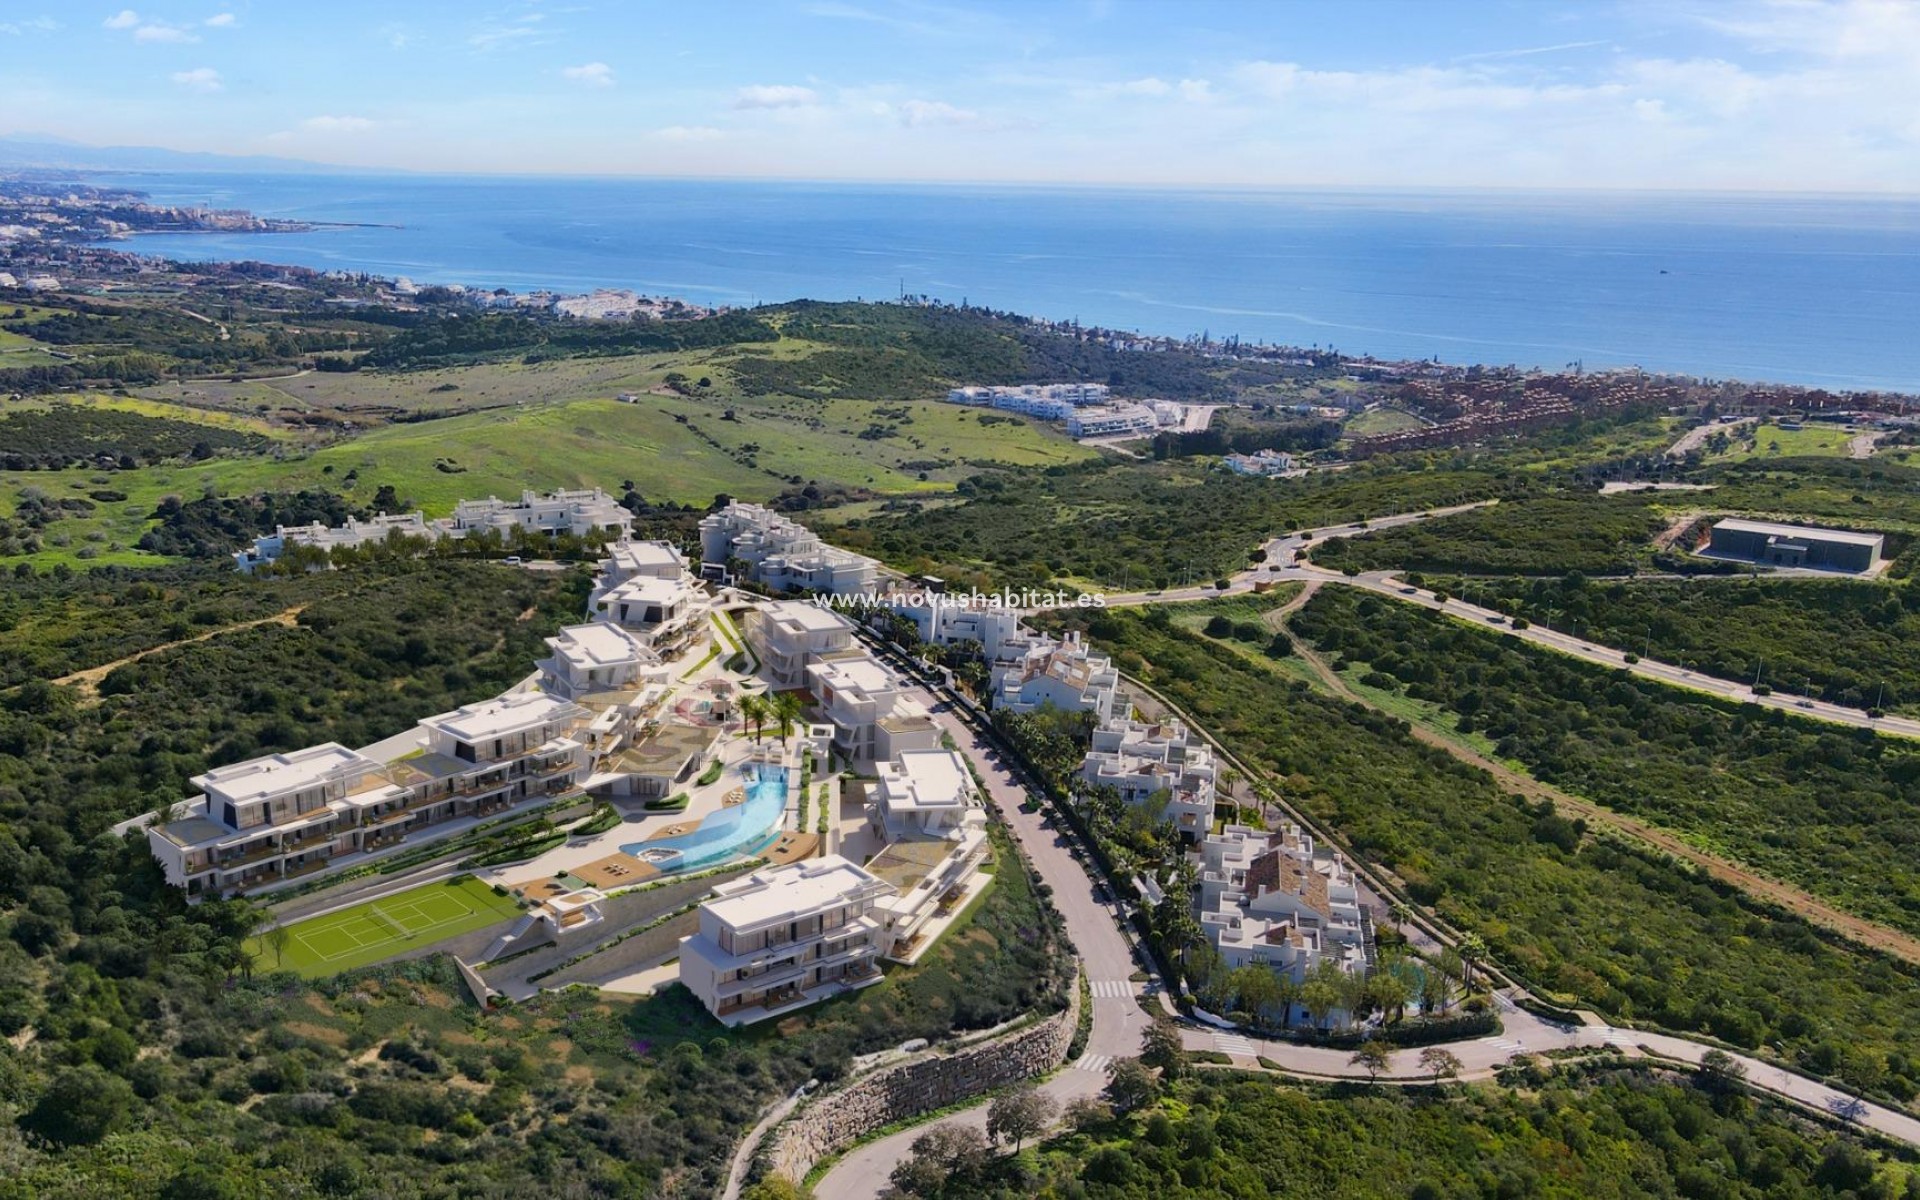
(1802, 289)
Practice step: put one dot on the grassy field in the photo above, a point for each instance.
(368, 933)
(1377, 421)
(1771, 441)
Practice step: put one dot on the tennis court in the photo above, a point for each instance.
(379, 929)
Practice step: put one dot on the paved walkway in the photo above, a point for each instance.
(1105, 955)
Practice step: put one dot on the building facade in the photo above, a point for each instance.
(779, 553)
(1144, 761)
(1778, 545)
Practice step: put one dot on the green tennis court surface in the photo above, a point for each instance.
(379, 929)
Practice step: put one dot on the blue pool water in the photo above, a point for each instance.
(723, 833)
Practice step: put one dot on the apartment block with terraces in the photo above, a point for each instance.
(1146, 760)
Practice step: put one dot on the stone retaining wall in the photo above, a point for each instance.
(640, 950)
(837, 1119)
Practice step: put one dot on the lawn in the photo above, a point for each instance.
(1771, 441)
(379, 929)
(1376, 421)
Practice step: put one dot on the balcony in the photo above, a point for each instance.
(317, 837)
(306, 868)
(261, 853)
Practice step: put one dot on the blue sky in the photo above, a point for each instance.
(1797, 95)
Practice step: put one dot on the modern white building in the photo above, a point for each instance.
(947, 622)
(354, 533)
(636, 560)
(1272, 900)
(669, 616)
(1049, 401)
(787, 635)
(596, 658)
(579, 512)
(779, 553)
(1264, 462)
(872, 717)
(783, 937)
(1065, 674)
(925, 806)
(1147, 760)
(1120, 420)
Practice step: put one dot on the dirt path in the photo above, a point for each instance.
(1862, 445)
(88, 681)
(1868, 933)
(1277, 619)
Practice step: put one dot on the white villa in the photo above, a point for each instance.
(873, 719)
(787, 635)
(1064, 673)
(1143, 760)
(668, 616)
(946, 622)
(926, 807)
(597, 657)
(785, 936)
(633, 560)
(1265, 462)
(1269, 899)
(577, 513)
(780, 553)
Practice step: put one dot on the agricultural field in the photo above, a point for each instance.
(1376, 421)
(382, 929)
(1770, 442)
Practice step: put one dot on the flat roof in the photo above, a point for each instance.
(863, 673)
(649, 554)
(599, 644)
(1776, 529)
(501, 715)
(809, 618)
(651, 589)
(278, 774)
(925, 779)
(780, 893)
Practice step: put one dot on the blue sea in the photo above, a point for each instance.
(1806, 289)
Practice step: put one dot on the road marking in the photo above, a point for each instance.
(1233, 1043)
(1619, 1037)
(1111, 989)
(1096, 1063)
(1508, 1044)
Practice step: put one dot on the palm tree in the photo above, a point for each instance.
(1473, 950)
(786, 712)
(753, 710)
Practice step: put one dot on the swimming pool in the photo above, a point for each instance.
(723, 833)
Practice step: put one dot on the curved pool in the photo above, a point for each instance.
(722, 834)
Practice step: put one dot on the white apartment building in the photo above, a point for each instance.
(946, 622)
(595, 658)
(1145, 759)
(783, 937)
(262, 822)
(787, 635)
(1065, 674)
(780, 553)
(1050, 401)
(1121, 420)
(669, 616)
(1271, 900)
(1265, 462)
(873, 719)
(926, 807)
(636, 560)
(577, 512)
(354, 533)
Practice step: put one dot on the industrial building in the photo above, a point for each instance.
(1777, 545)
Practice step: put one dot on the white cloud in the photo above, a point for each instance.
(775, 95)
(593, 74)
(126, 18)
(147, 29)
(1152, 85)
(918, 113)
(219, 21)
(41, 24)
(331, 124)
(689, 133)
(200, 79)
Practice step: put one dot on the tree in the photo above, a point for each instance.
(786, 708)
(1162, 1050)
(1320, 998)
(1087, 1112)
(79, 1108)
(753, 710)
(1721, 1072)
(1374, 1057)
(276, 938)
(1388, 993)
(1020, 1113)
(1473, 951)
(1440, 1062)
(777, 1187)
(1131, 1085)
(1255, 990)
(940, 1154)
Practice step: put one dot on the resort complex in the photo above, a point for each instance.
(575, 513)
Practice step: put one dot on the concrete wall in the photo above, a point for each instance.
(640, 950)
(837, 1119)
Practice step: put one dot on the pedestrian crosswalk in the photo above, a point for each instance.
(1509, 1045)
(1097, 1063)
(1233, 1043)
(1111, 989)
(1619, 1037)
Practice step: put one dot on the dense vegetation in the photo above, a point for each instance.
(1618, 1134)
(1142, 526)
(1843, 490)
(78, 435)
(450, 340)
(1546, 535)
(214, 526)
(1598, 921)
(1843, 641)
(1834, 810)
(148, 1058)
